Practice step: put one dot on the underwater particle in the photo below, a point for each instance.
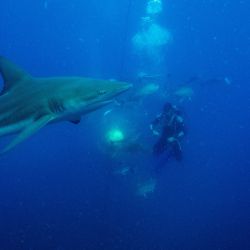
(154, 7)
(115, 135)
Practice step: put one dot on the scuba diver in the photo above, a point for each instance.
(169, 127)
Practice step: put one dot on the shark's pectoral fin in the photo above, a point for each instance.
(28, 131)
(76, 120)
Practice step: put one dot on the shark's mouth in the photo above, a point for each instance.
(109, 98)
(96, 105)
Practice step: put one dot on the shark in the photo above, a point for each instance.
(29, 103)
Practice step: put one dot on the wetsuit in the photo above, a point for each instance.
(169, 126)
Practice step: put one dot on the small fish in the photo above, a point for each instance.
(123, 171)
(146, 188)
(107, 112)
(148, 89)
(227, 81)
(184, 93)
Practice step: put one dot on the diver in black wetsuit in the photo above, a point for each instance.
(169, 127)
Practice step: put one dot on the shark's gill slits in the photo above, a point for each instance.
(101, 92)
(8, 117)
(56, 106)
(4, 116)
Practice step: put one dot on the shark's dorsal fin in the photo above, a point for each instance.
(11, 73)
(28, 131)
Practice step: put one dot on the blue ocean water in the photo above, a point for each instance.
(59, 189)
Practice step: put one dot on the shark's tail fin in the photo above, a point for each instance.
(11, 73)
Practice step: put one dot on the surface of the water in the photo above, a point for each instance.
(58, 190)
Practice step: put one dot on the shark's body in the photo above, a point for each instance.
(28, 103)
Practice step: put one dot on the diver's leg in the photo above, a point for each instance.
(160, 146)
(176, 150)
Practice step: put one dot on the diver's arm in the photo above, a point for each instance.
(156, 120)
(154, 123)
(180, 129)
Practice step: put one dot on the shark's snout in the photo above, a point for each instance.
(124, 87)
(129, 85)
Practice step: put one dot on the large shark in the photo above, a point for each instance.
(27, 103)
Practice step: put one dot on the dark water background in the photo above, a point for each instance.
(56, 188)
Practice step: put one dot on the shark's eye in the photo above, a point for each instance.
(102, 92)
